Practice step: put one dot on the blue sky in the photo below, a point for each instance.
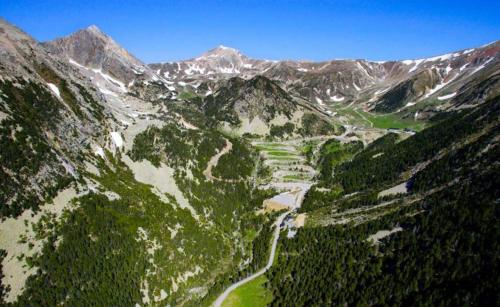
(167, 30)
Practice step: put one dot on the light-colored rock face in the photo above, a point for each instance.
(65, 112)
(110, 67)
(92, 48)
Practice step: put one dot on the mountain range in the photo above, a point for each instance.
(127, 183)
(420, 87)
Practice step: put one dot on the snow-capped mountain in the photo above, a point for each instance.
(214, 64)
(373, 85)
(391, 86)
(112, 68)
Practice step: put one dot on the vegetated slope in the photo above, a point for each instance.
(258, 97)
(48, 115)
(133, 220)
(430, 245)
(140, 246)
(143, 225)
(260, 106)
(367, 171)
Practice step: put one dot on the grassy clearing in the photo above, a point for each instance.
(268, 148)
(393, 121)
(271, 144)
(251, 294)
(187, 95)
(279, 153)
(284, 158)
(250, 235)
(385, 121)
(295, 177)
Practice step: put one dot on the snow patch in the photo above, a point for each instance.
(415, 66)
(117, 139)
(107, 92)
(54, 89)
(73, 62)
(439, 87)
(482, 65)
(363, 69)
(382, 91)
(375, 238)
(445, 97)
(114, 81)
(98, 151)
(398, 189)
(337, 98)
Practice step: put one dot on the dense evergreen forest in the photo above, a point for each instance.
(238, 163)
(385, 163)
(445, 251)
(125, 237)
(446, 255)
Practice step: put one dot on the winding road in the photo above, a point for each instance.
(223, 296)
(297, 188)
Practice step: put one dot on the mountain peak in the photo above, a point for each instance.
(91, 47)
(95, 31)
(222, 47)
(222, 51)
(94, 28)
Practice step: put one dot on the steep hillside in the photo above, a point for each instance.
(49, 114)
(112, 68)
(403, 222)
(259, 106)
(106, 197)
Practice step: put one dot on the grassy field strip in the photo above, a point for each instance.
(251, 294)
(381, 121)
(218, 302)
(364, 118)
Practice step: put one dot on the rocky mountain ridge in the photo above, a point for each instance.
(419, 88)
(367, 84)
(112, 68)
(50, 115)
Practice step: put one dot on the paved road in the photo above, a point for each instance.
(223, 296)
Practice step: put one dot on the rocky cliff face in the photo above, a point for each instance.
(111, 67)
(93, 49)
(50, 115)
